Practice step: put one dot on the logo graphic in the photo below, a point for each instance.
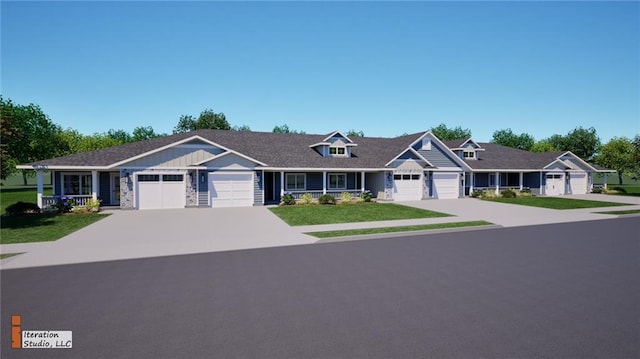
(38, 339)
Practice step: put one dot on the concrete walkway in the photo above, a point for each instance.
(151, 233)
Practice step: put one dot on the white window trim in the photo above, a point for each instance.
(472, 157)
(336, 174)
(337, 148)
(286, 182)
(62, 187)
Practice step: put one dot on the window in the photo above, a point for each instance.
(148, 178)
(492, 180)
(469, 154)
(172, 178)
(336, 151)
(397, 177)
(337, 181)
(74, 185)
(295, 181)
(415, 177)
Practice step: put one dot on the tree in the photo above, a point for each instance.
(635, 173)
(618, 154)
(543, 146)
(354, 133)
(523, 141)
(241, 128)
(208, 119)
(141, 133)
(285, 129)
(34, 136)
(584, 143)
(449, 134)
(120, 136)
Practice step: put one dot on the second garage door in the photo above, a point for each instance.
(445, 185)
(156, 191)
(231, 189)
(578, 183)
(407, 187)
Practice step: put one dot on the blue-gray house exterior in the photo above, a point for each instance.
(214, 168)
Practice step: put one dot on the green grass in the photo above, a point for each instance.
(556, 202)
(630, 211)
(626, 190)
(9, 196)
(43, 227)
(16, 181)
(349, 213)
(7, 255)
(422, 227)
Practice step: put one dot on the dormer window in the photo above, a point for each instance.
(469, 155)
(337, 151)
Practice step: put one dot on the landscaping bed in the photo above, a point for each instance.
(303, 215)
(555, 202)
(422, 227)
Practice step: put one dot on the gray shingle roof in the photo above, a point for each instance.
(273, 149)
(506, 158)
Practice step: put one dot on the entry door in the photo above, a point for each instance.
(115, 189)
(555, 184)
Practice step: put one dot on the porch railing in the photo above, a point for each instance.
(318, 194)
(49, 202)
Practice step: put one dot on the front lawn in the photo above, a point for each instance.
(348, 213)
(630, 211)
(9, 196)
(421, 227)
(43, 227)
(556, 202)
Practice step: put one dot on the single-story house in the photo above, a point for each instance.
(216, 168)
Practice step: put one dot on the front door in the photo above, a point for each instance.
(115, 189)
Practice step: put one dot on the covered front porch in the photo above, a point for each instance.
(318, 183)
(500, 181)
(80, 186)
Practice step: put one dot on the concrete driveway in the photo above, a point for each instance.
(151, 233)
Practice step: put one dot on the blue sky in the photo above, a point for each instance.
(385, 68)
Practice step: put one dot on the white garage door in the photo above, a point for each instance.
(578, 183)
(554, 184)
(407, 187)
(156, 191)
(231, 189)
(445, 185)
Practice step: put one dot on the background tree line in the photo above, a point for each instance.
(27, 134)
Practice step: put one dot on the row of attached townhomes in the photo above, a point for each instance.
(214, 168)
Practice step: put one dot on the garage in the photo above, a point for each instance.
(159, 191)
(231, 189)
(407, 187)
(445, 185)
(578, 183)
(554, 185)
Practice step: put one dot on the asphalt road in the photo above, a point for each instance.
(554, 291)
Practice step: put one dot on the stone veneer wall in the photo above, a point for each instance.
(388, 185)
(126, 189)
(192, 192)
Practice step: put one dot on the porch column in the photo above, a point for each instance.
(521, 174)
(324, 182)
(541, 187)
(362, 181)
(464, 182)
(605, 180)
(282, 183)
(40, 186)
(472, 182)
(94, 185)
(497, 183)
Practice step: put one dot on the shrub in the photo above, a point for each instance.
(525, 190)
(306, 198)
(64, 204)
(620, 190)
(596, 190)
(478, 193)
(346, 197)
(288, 199)
(366, 196)
(488, 194)
(91, 206)
(20, 208)
(508, 193)
(327, 199)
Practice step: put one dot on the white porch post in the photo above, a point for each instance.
(324, 182)
(464, 181)
(521, 174)
(605, 180)
(472, 182)
(362, 181)
(40, 187)
(282, 183)
(497, 182)
(94, 185)
(541, 187)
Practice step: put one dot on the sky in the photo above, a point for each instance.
(385, 68)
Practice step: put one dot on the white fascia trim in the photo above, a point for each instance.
(231, 152)
(195, 137)
(470, 139)
(320, 144)
(155, 168)
(511, 170)
(578, 158)
(57, 167)
(443, 146)
(606, 171)
(412, 151)
(445, 169)
(333, 169)
(335, 133)
(558, 160)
